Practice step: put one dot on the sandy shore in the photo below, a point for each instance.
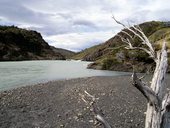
(57, 104)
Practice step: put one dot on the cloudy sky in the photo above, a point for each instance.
(78, 24)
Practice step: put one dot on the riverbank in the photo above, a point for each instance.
(57, 104)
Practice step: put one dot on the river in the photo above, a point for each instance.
(22, 73)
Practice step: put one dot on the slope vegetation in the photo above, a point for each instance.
(112, 54)
(21, 44)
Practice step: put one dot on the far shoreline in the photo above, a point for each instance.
(55, 80)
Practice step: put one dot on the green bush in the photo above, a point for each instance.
(108, 63)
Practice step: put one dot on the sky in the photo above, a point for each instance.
(79, 24)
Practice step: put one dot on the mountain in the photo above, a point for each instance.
(112, 54)
(21, 44)
(66, 53)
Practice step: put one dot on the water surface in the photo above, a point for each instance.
(21, 73)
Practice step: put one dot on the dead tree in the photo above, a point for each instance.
(158, 107)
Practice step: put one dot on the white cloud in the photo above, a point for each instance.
(79, 41)
(76, 24)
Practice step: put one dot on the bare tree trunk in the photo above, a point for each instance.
(158, 107)
(153, 114)
(155, 95)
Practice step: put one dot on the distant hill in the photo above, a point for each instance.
(21, 44)
(112, 54)
(66, 53)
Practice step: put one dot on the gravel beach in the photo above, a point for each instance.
(57, 104)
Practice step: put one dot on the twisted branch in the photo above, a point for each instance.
(97, 112)
(136, 30)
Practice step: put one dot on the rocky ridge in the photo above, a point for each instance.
(18, 44)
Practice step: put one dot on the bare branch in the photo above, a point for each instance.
(97, 113)
(128, 28)
(146, 91)
(125, 40)
(143, 76)
(146, 41)
(140, 48)
(139, 33)
(104, 122)
(137, 26)
(126, 33)
(119, 22)
(93, 97)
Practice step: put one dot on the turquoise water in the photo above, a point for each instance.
(21, 73)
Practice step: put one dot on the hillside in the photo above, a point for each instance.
(20, 44)
(112, 54)
(66, 53)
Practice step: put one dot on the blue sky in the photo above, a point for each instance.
(78, 24)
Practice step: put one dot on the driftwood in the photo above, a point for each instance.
(97, 112)
(158, 108)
